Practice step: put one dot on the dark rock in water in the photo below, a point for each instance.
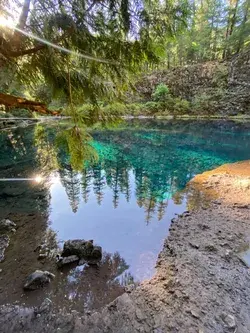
(78, 247)
(37, 280)
(82, 249)
(62, 261)
(4, 243)
(6, 225)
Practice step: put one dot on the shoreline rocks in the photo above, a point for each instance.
(84, 250)
(62, 261)
(7, 225)
(37, 280)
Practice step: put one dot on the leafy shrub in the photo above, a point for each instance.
(116, 109)
(4, 114)
(135, 109)
(151, 107)
(181, 106)
(208, 103)
(220, 77)
(23, 113)
(161, 93)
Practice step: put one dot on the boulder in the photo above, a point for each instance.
(4, 243)
(96, 253)
(63, 261)
(37, 280)
(83, 250)
(6, 225)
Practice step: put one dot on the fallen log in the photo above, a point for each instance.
(12, 102)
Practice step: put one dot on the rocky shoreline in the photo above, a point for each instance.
(202, 284)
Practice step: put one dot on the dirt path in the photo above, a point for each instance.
(200, 286)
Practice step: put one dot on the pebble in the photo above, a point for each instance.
(42, 256)
(216, 202)
(229, 320)
(194, 245)
(195, 314)
(44, 307)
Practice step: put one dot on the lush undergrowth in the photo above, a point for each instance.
(17, 113)
(162, 104)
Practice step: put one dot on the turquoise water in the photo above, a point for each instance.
(120, 189)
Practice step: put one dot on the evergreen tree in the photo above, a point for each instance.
(97, 43)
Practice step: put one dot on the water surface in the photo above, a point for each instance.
(120, 189)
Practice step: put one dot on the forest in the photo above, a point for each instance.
(64, 56)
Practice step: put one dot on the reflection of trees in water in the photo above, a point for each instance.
(160, 162)
(81, 172)
(71, 182)
(89, 287)
(75, 142)
(16, 147)
(46, 154)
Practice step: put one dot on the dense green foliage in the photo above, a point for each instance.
(161, 93)
(216, 29)
(104, 45)
(163, 103)
(107, 40)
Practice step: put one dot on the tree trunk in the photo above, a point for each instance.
(22, 22)
(231, 24)
(243, 25)
(233, 20)
(12, 102)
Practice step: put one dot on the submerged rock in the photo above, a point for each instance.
(63, 261)
(38, 279)
(7, 225)
(4, 243)
(83, 250)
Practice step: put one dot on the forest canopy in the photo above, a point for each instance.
(109, 42)
(108, 39)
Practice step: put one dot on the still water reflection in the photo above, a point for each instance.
(121, 188)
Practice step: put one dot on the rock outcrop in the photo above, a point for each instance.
(226, 84)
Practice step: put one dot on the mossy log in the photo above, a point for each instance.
(12, 102)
